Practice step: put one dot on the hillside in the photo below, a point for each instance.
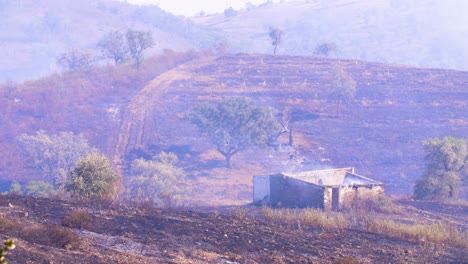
(129, 113)
(380, 133)
(47, 230)
(33, 33)
(423, 33)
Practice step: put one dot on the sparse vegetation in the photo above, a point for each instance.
(446, 169)
(343, 87)
(79, 218)
(51, 235)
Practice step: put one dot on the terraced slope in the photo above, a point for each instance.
(380, 132)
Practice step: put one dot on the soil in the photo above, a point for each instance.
(128, 234)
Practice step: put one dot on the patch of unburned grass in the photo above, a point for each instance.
(440, 232)
(305, 217)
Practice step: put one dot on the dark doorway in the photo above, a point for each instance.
(335, 199)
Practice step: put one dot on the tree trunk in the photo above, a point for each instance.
(228, 161)
(338, 104)
(290, 143)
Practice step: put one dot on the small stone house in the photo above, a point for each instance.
(324, 189)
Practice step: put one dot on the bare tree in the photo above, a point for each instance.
(275, 35)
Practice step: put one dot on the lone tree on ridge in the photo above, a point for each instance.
(276, 35)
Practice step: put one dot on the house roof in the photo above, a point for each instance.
(332, 177)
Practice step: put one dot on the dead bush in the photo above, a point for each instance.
(52, 235)
(9, 226)
(78, 219)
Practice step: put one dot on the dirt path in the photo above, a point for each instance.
(135, 116)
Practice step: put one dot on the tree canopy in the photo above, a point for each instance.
(157, 180)
(54, 155)
(137, 42)
(235, 124)
(276, 35)
(74, 60)
(446, 168)
(93, 177)
(113, 46)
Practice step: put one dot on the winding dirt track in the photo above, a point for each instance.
(135, 116)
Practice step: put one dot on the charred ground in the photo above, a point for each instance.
(128, 234)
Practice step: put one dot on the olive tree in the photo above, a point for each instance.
(137, 42)
(446, 168)
(157, 180)
(114, 46)
(343, 87)
(234, 125)
(93, 177)
(74, 60)
(54, 155)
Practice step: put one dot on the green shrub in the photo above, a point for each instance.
(93, 178)
(38, 189)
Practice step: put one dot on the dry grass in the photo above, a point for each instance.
(51, 235)
(9, 225)
(346, 260)
(441, 232)
(305, 217)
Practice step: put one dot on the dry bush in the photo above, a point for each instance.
(305, 217)
(78, 219)
(442, 233)
(10, 226)
(363, 201)
(51, 235)
(346, 260)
